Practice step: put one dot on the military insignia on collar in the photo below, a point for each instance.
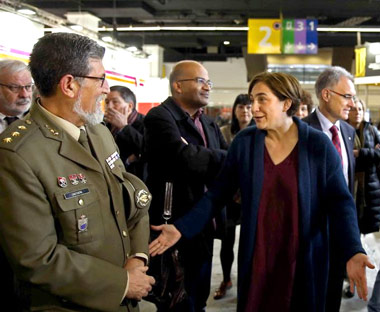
(112, 159)
(82, 223)
(62, 181)
(142, 198)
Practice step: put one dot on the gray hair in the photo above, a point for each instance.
(126, 94)
(329, 78)
(59, 54)
(12, 66)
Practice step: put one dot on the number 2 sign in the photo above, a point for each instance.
(264, 36)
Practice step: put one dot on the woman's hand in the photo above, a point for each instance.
(356, 273)
(168, 237)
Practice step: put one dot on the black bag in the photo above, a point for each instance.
(168, 293)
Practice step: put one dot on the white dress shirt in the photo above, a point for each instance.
(326, 125)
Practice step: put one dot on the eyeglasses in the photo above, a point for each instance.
(103, 78)
(346, 96)
(18, 88)
(199, 80)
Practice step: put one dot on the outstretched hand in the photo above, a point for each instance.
(168, 237)
(356, 267)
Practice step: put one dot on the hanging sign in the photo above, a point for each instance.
(296, 36)
(264, 36)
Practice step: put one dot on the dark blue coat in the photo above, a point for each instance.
(324, 200)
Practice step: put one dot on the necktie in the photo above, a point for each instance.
(9, 120)
(336, 141)
(198, 124)
(83, 140)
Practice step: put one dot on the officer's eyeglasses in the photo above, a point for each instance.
(199, 80)
(18, 88)
(103, 78)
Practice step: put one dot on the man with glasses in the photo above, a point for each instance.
(336, 93)
(185, 147)
(16, 88)
(74, 224)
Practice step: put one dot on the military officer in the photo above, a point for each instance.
(73, 223)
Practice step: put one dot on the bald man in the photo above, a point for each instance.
(185, 147)
(16, 88)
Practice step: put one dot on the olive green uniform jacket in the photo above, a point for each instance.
(67, 244)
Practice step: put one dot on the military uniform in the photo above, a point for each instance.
(69, 219)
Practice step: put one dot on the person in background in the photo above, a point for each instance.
(74, 224)
(185, 147)
(294, 200)
(336, 94)
(241, 119)
(367, 161)
(306, 106)
(127, 127)
(16, 88)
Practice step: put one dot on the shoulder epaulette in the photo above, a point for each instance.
(13, 136)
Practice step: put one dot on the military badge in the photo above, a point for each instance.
(142, 198)
(82, 178)
(62, 181)
(82, 223)
(74, 179)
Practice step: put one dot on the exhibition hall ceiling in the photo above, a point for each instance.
(209, 45)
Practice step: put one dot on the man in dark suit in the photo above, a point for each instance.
(126, 125)
(185, 147)
(74, 224)
(336, 94)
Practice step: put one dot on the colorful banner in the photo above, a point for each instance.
(264, 36)
(296, 36)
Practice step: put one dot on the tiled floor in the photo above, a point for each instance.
(228, 304)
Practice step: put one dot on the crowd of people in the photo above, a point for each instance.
(100, 210)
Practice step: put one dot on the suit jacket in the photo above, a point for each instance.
(190, 166)
(68, 220)
(348, 134)
(323, 200)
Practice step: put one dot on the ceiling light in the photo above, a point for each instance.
(132, 49)
(226, 42)
(26, 11)
(76, 27)
(107, 39)
(231, 28)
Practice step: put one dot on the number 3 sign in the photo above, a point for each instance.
(264, 36)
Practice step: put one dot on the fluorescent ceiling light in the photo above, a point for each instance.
(231, 28)
(226, 42)
(26, 11)
(107, 39)
(132, 49)
(76, 27)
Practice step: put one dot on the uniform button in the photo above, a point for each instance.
(127, 255)
(81, 202)
(117, 212)
(124, 233)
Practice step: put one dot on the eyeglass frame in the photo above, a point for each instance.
(17, 88)
(201, 80)
(346, 96)
(103, 78)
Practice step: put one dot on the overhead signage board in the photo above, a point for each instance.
(297, 36)
(264, 36)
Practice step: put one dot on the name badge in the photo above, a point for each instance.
(76, 193)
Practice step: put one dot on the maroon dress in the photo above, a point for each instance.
(276, 246)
